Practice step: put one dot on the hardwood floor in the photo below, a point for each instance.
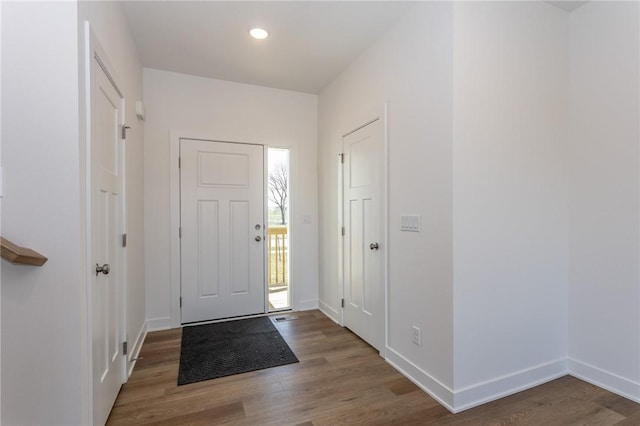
(339, 380)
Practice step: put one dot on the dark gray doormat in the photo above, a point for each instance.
(216, 350)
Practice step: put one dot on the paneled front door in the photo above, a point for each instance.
(222, 229)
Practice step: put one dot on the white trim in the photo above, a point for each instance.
(265, 231)
(340, 250)
(86, 401)
(158, 324)
(175, 320)
(385, 225)
(605, 379)
(1, 194)
(436, 389)
(135, 349)
(330, 312)
(499, 387)
(481, 393)
(638, 335)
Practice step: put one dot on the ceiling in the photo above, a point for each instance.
(310, 43)
(567, 5)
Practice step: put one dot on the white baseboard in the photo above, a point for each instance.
(605, 379)
(472, 396)
(500, 387)
(134, 350)
(306, 305)
(157, 324)
(421, 378)
(330, 312)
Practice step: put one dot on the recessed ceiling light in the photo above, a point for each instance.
(258, 33)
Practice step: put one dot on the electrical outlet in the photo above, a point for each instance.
(417, 338)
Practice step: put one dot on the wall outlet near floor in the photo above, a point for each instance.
(417, 338)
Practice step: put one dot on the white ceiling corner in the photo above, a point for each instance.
(567, 5)
(310, 42)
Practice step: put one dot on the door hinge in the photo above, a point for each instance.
(342, 231)
(341, 155)
(179, 162)
(181, 301)
(179, 231)
(124, 131)
(342, 303)
(124, 348)
(124, 240)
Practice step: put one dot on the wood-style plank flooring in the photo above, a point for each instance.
(339, 380)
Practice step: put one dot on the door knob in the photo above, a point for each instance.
(104, 269)
(258, 238)
(373, 246)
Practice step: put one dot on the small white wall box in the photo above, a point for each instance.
(410, 223)
(140, 110)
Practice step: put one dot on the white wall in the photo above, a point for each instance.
(41, 306)
(0, 206)
(604, 284)
(477, 145)
(44, 334)
(111, 29)
(509, 196)
(411, 68)
(229, 112)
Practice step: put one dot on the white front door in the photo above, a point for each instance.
(106, 227)
(363, 259)
(222, 229)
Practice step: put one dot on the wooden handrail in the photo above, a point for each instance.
(16, 254)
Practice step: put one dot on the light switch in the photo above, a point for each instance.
(410, 223)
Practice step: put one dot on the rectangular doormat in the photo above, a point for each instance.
(216, 350)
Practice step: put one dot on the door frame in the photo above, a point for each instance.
(93, 49)
(175, 319)
(379, 113)
(290, 226)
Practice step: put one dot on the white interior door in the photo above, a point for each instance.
(363, 258)
(222, 229)
(106, 227)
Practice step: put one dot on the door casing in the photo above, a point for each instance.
(174, 320)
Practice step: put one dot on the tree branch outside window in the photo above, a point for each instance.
(278, 189)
